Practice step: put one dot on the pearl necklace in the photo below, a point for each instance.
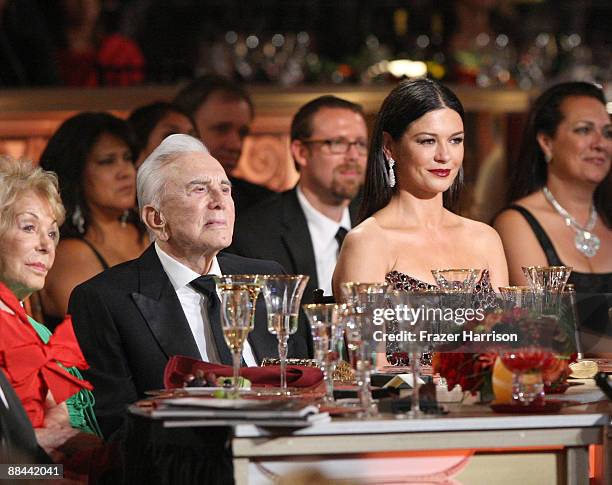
(586, 242)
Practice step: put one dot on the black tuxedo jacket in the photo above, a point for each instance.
(246, 194)
(17, 440)
(129, 322)
(276, 229)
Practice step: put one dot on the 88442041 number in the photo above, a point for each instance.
(8, 471)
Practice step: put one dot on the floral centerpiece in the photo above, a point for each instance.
(472, 366)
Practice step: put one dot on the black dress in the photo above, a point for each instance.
(589, 286)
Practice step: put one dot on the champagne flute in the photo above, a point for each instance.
(236, 308)
(283, 294)
(326, 323)
(252, 282)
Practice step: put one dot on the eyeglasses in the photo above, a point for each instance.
(338, 146)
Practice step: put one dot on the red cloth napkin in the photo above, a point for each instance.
(297, 376)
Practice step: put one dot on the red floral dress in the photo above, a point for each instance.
(34, 367)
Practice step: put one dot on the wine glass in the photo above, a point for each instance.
(547, 283)
(362, 299)
(327, 325)
(407, 322)
(251, 282)
(236, 308)
(283, 294)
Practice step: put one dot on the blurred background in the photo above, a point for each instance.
(64, 56)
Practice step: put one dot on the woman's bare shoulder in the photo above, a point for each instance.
(75, 253)
(478, 229)
(367, 233)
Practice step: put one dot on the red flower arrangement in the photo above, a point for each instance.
(473, 370)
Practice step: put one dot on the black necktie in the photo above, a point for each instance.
(340, 235)
(206, 286)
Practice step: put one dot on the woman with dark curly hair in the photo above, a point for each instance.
(93, 155)
(561, 189)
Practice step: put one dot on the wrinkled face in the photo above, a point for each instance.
(582, 145)
(170, 124)
(109, 176)
(334, 175)
(223, 124)
(197, 206)
(27, 248)
(429, 154)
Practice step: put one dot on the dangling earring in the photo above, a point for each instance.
(78, 220)
(124, 217)
(391, 172)
(547, 157)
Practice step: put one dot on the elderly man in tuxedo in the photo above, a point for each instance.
(133, 317)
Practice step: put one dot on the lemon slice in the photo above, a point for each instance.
(585, 369)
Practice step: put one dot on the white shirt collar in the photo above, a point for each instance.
(179, 274)
(323, 223)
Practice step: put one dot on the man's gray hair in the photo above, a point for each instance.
(151, 181)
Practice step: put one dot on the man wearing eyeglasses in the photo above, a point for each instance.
(304, 227)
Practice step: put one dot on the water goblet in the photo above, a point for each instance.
(362, 299)
(327, 325)
(236, 307)
(283, 294)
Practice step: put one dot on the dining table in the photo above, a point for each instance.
(468, 443)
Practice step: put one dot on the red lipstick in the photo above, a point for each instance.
(441, 172)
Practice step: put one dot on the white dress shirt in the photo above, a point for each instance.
(323, 235)
(194, 307)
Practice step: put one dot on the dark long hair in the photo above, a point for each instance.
(530, 171)
(144, 119)
(408, 101)
(66, 154)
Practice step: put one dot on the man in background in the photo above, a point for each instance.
(304, 227)
(223, 113)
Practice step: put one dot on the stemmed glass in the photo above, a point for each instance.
(283, 294)
(456, 280)
(517, 296)
(251, 282)
(362, 299)
(236, 308)
(414, 348)
(327, 325)
(547, 283)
